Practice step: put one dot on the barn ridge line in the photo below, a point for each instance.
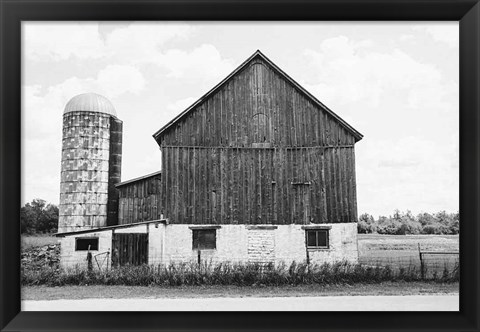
(358, 136)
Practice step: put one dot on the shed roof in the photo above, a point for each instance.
(120, 184)
(106, 228)
(358, 136)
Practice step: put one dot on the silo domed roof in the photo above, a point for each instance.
(90, 102)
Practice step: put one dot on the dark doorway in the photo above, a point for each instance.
(129, 249)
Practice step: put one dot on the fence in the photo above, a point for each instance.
(445, 260)
(428, 263)
(102, 259)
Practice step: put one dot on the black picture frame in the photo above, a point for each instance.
(13, 12)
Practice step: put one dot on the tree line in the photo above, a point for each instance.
(402, 223)
(38, 217)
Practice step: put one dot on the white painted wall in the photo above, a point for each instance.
(238, 243)
(235, 243)
(230, 246)
(69, 258)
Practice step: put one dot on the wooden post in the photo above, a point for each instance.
(306, 249)
(89, 260)
(422, 270)
(199, 256)
(98, 264)
(108, 258)
(114, 251)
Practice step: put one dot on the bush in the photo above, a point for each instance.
(366, 224)
(389, 227)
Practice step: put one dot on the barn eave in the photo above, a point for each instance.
(113, 227)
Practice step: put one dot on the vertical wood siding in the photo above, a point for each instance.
(257, 105)
(140, 201)
(129, 249)
(257, 151)
(258, 186)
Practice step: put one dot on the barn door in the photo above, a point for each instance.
(129, 249)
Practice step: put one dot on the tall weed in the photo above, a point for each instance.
(229, 273)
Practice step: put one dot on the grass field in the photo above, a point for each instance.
(403, 250)
(39, 240)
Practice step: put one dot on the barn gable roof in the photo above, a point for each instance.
(358, 136)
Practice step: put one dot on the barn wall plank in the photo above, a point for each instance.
(140, 200)
(236, 185)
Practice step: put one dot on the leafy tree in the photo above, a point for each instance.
(366, 224)
(389, 226)
(425, 219)
(38, 217)
(435, 228)
(455, 224)
(408, 223)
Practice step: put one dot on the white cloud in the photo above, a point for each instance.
(348, 72)
(142, 42)
(141, 163)
(136, 43)
(203, 63)
(405, 173)
(116, 80)
(180, 105)
(447, 33)
(41, 169)
(61, 40)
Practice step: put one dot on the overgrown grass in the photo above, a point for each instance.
(237, 274)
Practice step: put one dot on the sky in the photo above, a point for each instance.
(395, 82)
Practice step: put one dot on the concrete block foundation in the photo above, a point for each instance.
(234, 243)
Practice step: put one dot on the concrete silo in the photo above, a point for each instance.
(91, 164)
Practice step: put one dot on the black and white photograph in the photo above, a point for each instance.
(240, 166)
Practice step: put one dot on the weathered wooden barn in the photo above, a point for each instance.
(256, 170)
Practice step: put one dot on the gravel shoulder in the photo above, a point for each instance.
(37, 293)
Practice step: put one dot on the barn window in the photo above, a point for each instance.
(83, 243)
(317, 238)
(204, 239)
